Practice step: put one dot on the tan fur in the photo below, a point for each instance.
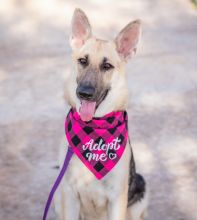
(118, 100)
(81, 195)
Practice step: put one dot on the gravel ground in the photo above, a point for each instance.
(35, 57)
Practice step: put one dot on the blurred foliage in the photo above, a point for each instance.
(195, 2)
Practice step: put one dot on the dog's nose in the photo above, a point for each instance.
(85, 92)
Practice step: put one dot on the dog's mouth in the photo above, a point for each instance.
(87, 110)
(88, 107)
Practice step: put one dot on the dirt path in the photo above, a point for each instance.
(34, 57)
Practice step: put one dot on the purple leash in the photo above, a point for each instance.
(57, 182)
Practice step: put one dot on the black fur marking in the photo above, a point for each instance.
(103, 96)
(136, 190)
(137, 185)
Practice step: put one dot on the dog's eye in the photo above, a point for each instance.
(106, 66)
(83, 61)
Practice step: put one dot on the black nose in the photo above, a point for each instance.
(85, 92)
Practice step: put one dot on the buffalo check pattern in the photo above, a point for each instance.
(100, 130)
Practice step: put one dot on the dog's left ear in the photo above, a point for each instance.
(81, 29)
(127, 40)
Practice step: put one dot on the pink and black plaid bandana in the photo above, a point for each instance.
(100, 143)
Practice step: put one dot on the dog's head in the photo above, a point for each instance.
(98, 85)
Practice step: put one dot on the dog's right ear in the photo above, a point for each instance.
(81, 29)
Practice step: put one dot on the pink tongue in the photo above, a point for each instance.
(87, 110)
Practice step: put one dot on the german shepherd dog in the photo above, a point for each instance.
(96, 86)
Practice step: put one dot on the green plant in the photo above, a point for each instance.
(195, 2)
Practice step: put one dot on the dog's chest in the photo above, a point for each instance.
(94, 194)
(85, 184)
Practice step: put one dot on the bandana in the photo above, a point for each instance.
(99, 143)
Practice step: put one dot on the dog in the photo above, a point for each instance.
(96, 86)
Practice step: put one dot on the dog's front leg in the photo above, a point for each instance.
(118, 206)
(66, 203)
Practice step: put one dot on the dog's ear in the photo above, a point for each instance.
(127, 40)
(81, 29)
